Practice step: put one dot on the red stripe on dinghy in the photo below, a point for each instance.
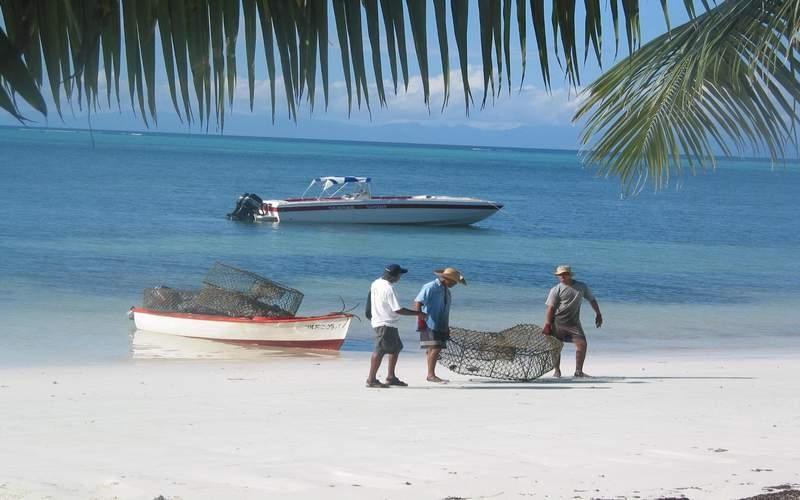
(334, 345)
(256, 319)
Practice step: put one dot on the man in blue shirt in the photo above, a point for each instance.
(434, 331)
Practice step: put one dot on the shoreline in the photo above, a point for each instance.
(174, 348)
(306, 427)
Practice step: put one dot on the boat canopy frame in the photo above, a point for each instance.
(332, 186)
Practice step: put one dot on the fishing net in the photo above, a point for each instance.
(521, 352)
(273, 296)
(227, 291)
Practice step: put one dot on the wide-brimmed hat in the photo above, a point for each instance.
(452, 274)
(563, 270)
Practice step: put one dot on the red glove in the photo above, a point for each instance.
(421, 325)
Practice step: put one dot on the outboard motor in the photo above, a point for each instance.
(247, 207)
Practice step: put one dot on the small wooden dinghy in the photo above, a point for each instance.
(309, 332)
(239, 307)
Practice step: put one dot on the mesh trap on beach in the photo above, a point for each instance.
(521, 353)
(228, 291)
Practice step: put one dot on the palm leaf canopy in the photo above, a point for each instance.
(725, 81)
(727, 77)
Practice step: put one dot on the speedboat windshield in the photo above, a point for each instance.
(337, 184)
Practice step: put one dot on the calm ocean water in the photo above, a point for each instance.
(83, 230)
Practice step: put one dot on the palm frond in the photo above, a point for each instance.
(725, 81)
(65, 39)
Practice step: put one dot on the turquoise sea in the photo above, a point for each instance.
(83, 230)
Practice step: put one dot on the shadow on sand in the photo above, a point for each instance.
(551, 383)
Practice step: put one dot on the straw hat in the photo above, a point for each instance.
(452, 274)
(563, 270)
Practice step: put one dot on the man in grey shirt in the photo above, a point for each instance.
(563, 316)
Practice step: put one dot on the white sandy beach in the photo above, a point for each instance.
(308, 428)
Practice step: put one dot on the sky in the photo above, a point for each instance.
(527, 117)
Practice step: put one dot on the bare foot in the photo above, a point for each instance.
(557, 373)
(581, 375)
(437, 380)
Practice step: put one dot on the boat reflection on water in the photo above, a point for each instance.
(149, 345)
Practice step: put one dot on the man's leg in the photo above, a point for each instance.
(392, 363)
(580, 355)
(557, 371)
(433, 357)
(374, 364)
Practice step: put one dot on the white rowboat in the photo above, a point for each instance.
(312, 332)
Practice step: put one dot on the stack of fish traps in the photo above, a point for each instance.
(228, 291)
(519, 353)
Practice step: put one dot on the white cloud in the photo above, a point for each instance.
(528, 105)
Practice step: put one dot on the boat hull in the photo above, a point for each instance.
(317, 332)
(428, 211)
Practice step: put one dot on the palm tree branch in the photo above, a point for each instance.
(724, 77)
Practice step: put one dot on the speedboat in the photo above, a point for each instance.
(310, 332)
(350, 200)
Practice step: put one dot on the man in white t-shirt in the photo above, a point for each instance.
(384, 314)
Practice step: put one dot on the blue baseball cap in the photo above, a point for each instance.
(395, 270)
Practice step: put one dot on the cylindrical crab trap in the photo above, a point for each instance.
(521, 353)
(228, 291)
(257, 288)
(166, 299)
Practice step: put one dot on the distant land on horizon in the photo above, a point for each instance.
(219, 136)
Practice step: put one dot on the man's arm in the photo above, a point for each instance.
(421, 324)
(403, 311)
(598, 319)
(548, 320)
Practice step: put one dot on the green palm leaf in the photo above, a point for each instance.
(417, 18)
(440, 10)
(725, 81)
(460, 12)
(373, 28)
(13, 71)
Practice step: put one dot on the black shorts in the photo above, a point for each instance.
(387, 340)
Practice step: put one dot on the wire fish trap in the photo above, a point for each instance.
(274, 298)
(166, 299)
(521, 352)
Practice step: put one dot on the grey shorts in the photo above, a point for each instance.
(433, 338)
(387, 340)
(567, 335)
